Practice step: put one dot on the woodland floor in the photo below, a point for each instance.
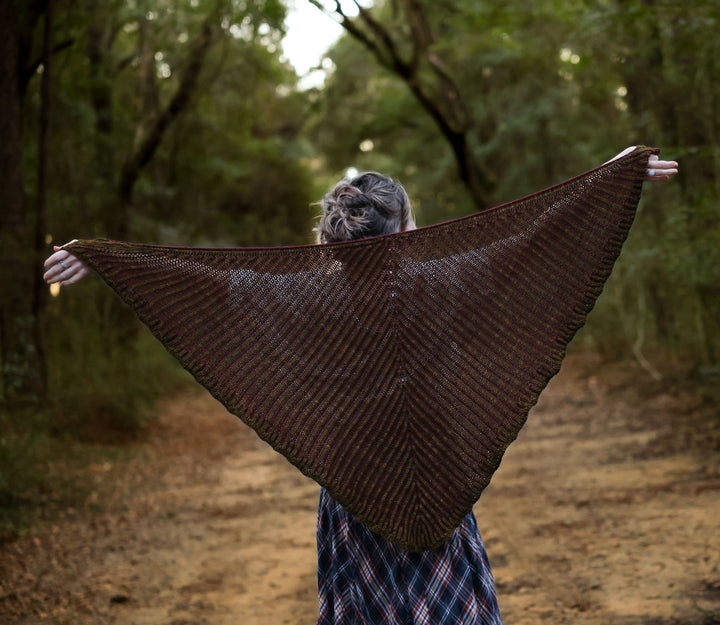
(606, 511)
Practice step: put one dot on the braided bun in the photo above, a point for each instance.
(365, 206)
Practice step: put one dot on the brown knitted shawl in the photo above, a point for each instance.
(394, 370)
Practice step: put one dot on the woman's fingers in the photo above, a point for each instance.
(76, 276)
(56, 257)
(660, 170)
(64, 268)
(657, 170)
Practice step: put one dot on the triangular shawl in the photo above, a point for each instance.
(394, 370)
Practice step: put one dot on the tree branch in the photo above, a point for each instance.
(135, 163)
(420, 31)
(442, 100)
(125, 61)
(31, 68)
(397, 63)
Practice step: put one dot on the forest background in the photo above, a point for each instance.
(180, 122)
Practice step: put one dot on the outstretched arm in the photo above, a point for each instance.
(65, 268)
(657, 170)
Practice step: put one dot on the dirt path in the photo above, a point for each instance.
(605, 511)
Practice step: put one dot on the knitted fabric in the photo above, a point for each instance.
(394, 370)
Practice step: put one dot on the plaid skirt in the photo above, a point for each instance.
(365, 580)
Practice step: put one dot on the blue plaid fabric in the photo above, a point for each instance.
(365, 580)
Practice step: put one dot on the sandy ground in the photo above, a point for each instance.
(605, 511)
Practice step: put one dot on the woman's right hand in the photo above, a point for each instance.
(65, 268)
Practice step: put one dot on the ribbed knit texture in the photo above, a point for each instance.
(396, 370)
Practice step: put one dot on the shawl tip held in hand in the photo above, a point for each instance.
(395, 370)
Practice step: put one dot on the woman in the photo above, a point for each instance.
(362, 577)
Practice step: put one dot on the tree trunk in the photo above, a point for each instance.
(40, 292)
(100, 92)
(22, 366)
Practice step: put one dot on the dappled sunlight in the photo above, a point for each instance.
(568, 56)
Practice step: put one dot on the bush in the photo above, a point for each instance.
(104, 368)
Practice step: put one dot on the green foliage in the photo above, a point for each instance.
(112, 86)
(534, 105)
(17, 462)
(104, 369)
(554, 88)
(244, 156)
(362, 102)
(665, 55)
(227, 165)
(44, 476)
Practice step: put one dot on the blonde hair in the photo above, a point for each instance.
(365, 206)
